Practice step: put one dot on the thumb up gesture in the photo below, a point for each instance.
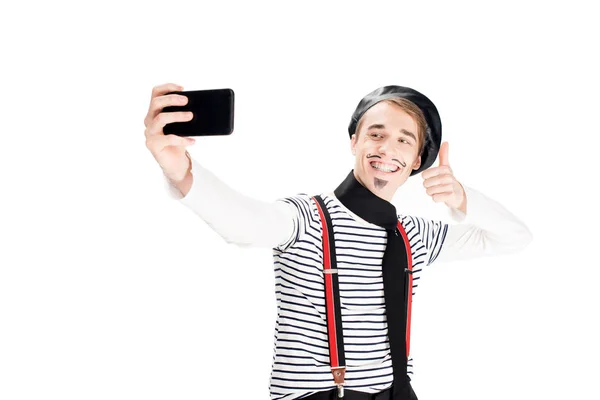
(441, 184)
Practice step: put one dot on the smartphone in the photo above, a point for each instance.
(212, 113)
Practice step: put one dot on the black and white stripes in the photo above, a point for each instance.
(301, 356)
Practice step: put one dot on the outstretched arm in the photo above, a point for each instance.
(237, 218)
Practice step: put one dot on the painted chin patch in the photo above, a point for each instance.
(379, 183)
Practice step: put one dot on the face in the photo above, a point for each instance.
(386, 149)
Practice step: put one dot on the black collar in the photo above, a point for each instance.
(361, 201)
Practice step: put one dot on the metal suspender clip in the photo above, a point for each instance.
(330, 271)
(341, 391)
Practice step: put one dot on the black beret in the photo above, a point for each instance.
(433, 133)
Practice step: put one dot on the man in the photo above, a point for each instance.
(350, 338)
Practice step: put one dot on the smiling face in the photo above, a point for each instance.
(386, 145)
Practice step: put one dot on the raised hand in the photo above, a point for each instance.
(168, 150)
(441, 184)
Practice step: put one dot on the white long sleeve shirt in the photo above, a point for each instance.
(291, 228)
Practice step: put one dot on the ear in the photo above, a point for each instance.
(417, 163)
(353, 144)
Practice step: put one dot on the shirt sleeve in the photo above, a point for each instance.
(302, 210)
(432, 234)
(487, 229)
(237, 218)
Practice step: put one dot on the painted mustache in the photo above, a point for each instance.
(393, 159)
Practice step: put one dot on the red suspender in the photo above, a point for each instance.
(332, 299)
(410, 286)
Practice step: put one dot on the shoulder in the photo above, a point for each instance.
(301, 204)
(302, 211)
(426, 233)
(421, 224)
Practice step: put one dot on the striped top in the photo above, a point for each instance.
(301, 356)
(291, 229)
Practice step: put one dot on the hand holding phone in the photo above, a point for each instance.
(168, 150)
(212, 113)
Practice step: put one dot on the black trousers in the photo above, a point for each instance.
(353, 395)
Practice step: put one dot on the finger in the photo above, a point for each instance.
(442, 197)
(165, 88)
(435, 171)
(159, 91)
(443, 179)
(444, 154)
(157, 143)
(159, 122)
(160, 102)
(438, 189)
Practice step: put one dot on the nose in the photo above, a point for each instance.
(383, 147)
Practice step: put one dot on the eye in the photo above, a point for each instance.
(404, 141)
(375, 134)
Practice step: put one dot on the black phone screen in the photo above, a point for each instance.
(212, 113)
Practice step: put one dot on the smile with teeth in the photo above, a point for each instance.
(384, 167)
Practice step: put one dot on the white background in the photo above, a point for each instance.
(109, 289)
